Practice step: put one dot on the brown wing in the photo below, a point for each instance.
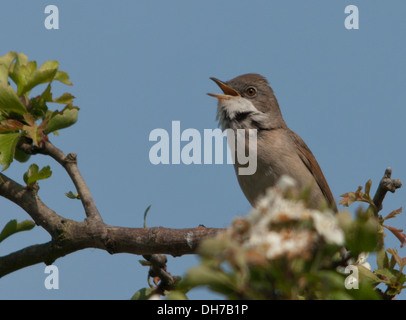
(311, 163)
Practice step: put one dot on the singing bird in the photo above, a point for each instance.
(248, 102)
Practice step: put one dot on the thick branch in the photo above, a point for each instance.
(69, 235)
(386, 184)
(80, 235)
(28, 256)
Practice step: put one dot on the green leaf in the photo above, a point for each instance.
(63, 77)
(24, 75)
(145, 216)
(392, 262)
(396, 256)
(362, 235)
(13, 227)
(31, 128)
(8, 58)
(387, 275)
(217, 280)
(72, 195)
(144, 263)
(176, 295)
(9, 100)
(21, 156)
(368, 275)
(63, 119)
(3, 74)
(368, 186)
(66, 98)
(44, 74)
(49, 65)
(143, 294)
(5, 62)
(10, 125)
(46, 96)
(382, 259)
(8, 143)
(34, 174)
(14, 71)
(38, 104)
(39, 108)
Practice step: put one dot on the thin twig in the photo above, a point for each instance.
(69, 163)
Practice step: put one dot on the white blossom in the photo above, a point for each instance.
(326, 225)
(274, 226)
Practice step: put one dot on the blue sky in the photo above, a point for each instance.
(138, 65)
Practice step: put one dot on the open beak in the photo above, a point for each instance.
(228, 91)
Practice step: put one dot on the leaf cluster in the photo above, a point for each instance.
(29, 119)
(24, 118)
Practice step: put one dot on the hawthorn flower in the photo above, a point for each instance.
(280, 227)
(326, 226)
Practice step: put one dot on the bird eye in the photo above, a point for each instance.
(251, 91)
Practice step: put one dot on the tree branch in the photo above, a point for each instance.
(386, 184)
(29, 201)
(68, 236)
(157, 269)
(76, 236)
(29, 256)
(69, 163)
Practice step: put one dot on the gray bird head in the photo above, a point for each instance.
(248, 102)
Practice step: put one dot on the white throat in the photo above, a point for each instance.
(228, 109)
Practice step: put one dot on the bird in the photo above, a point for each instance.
(249, 102)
